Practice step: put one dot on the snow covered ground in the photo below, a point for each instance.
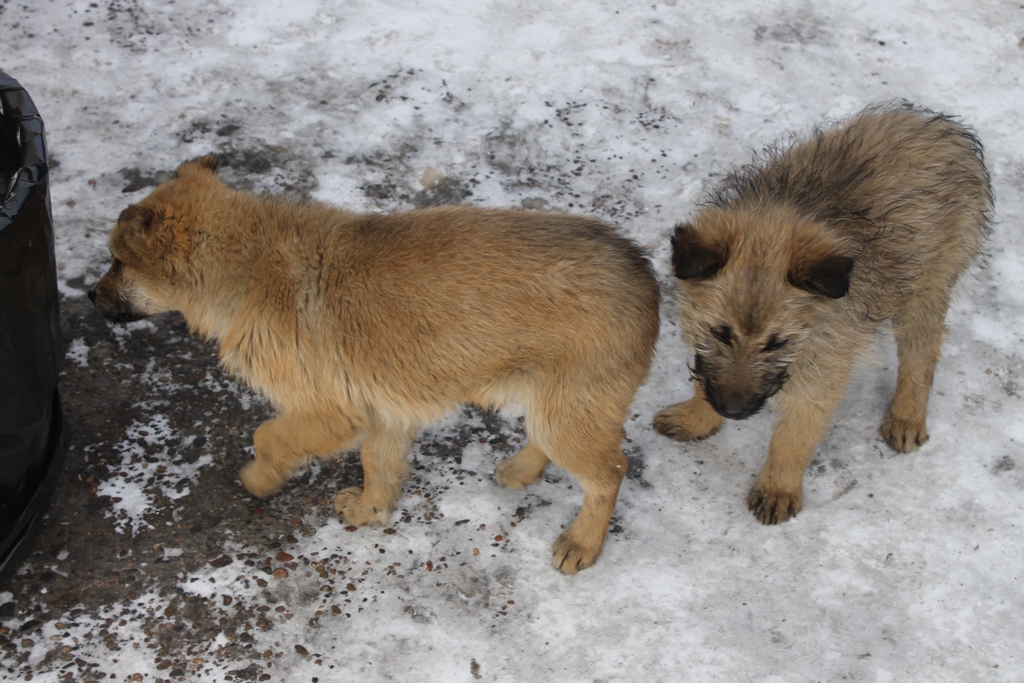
(900, 567)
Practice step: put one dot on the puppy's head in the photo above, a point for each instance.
(150, 246)
(755, 286)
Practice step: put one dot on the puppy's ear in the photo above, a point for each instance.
(692, 257)
(209, 162)
(146, 223)
(825, 274)
(203, 164)
(142, 219)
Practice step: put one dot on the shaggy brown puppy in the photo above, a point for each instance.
(361, 328)
(788, 270)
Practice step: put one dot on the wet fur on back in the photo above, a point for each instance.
(789, 268)
(361, 328)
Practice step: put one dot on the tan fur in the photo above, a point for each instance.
(361, 328)
(787, 272)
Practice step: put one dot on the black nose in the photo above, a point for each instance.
(737, 412)
(734, 407)
(92, 295)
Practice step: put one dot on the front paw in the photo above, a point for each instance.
(689, 421)
(357, 509)
(904, 436)
(772, 507)
(260, 480)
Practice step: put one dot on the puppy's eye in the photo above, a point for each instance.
(722, 334)
(774, 343)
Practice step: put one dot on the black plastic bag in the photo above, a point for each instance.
(33, 437)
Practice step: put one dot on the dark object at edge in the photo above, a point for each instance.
(33, 433)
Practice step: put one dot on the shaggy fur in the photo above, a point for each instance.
(361, 328)
(787, 272)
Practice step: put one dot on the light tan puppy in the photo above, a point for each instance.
(788, 270)
(361, 328)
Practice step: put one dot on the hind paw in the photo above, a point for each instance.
(772, 507)
(569, 554)
(689, 421)
(356, 509)
(522, 469)
(904, 436)
(260, 480)
(513, 473)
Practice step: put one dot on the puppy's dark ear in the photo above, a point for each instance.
(828, 275)
(693, 258)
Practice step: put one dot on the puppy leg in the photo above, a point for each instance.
(689, 421)
(805, 413)
(283, 442)
(587, 442)
(919, 334)
(600, 473)
(385, 465)
(523, 468)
